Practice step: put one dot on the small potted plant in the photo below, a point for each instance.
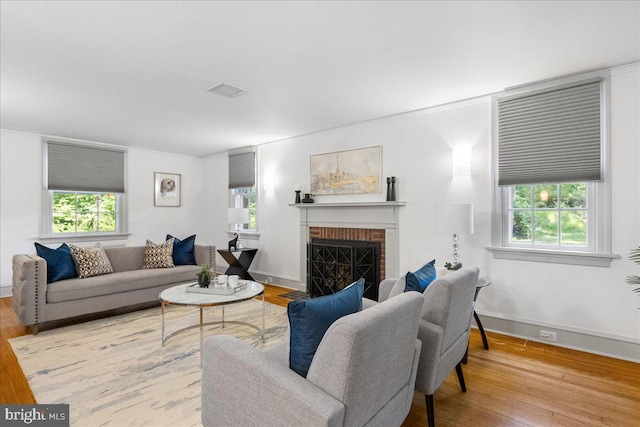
(204, 276)
(449, 266)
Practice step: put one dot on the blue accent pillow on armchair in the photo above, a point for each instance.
(419, 280)
(310, 319)
(183, 250)
(60, 263)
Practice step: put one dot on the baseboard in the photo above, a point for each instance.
(5, 291)
(618, 347)
(275, 280)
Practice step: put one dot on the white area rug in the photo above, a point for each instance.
(115, 372)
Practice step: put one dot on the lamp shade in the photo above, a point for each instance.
(453, 219)
(238, 215)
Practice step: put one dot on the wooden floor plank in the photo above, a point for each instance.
(513, 384)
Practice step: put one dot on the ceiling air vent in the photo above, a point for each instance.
(226, 90)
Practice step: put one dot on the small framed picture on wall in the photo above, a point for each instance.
(167, 189)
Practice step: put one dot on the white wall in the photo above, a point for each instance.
(20, 198)
(591, 308)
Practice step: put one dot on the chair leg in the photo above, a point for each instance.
(461, 377)
(431, 419)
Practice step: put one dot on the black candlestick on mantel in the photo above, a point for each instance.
(388, 189)
(393, 188)
(297, 196)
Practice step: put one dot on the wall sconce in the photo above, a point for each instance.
(268, 180)
(462, 161)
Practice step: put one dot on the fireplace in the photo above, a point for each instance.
(334, 264)
(353, 221)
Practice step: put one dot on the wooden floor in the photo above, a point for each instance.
(514, 383)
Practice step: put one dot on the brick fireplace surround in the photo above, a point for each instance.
(371, 221)
(361, 234)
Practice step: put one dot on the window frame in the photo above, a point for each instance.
(248, 233)
(47, 234)
(599, 251)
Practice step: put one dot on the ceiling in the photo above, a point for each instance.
(135, 73)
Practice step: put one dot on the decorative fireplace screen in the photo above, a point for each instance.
(332, 265)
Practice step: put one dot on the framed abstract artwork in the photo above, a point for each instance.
(346, 172)
(167, 189)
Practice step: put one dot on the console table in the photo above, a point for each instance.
(239, 265)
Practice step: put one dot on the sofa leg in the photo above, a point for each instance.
(34, 329)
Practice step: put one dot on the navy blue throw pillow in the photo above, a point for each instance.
(419, 280)
(60, 263)
(310, 319)
(183, 250)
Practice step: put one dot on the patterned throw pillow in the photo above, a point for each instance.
(90, 261)
(158, 256)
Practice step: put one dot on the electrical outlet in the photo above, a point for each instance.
(548, 335)
(269, 279)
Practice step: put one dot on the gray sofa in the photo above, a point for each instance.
(36, 302)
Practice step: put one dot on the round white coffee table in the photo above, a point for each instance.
(177, 295)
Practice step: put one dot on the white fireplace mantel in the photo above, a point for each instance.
(357, 204)
(375, 215)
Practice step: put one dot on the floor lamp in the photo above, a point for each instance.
(455, 220)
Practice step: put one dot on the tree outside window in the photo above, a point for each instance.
(549, 214)
(76, 212)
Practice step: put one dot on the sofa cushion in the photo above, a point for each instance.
(420, 279)
(119, 283)
(158, 255)
(183, 250)
(60, 263)
(310, 319)
(90, 261)
(125, 258)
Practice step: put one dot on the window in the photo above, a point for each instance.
(75, 212)
(552, 215)
(242, 190)
(551, 201)
(84, 190)
(244, 198)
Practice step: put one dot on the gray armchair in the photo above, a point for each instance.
(363, 373)
(445, 324)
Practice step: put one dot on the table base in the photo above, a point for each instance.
(202, 324)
